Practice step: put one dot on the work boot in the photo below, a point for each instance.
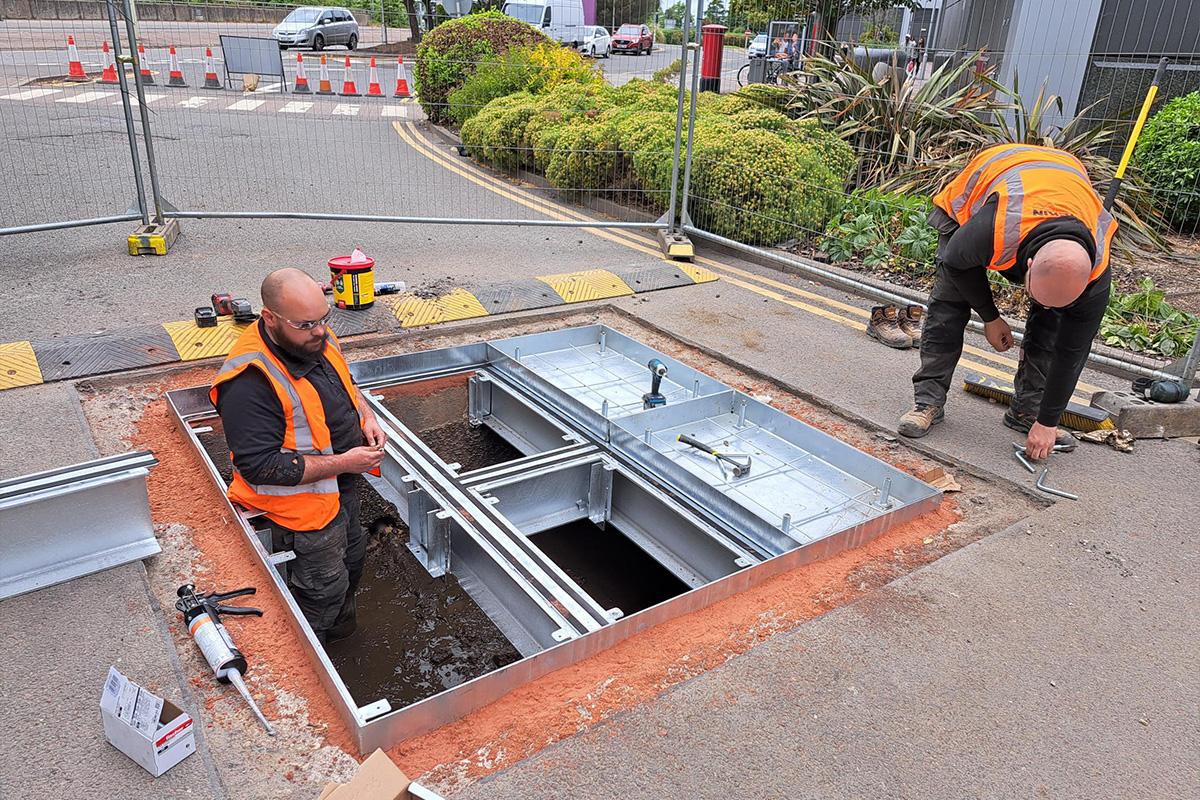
(885, 326)
(1023, 422)
(917, 422)
(912, 320)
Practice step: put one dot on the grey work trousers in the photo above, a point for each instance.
(942, 346)
(328, 566)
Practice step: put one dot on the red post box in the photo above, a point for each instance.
(711, 48)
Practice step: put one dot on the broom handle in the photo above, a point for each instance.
(1115, 184)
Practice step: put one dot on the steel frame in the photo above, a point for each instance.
(69, 522)
(563, 399)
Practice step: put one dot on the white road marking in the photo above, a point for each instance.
(195, 102)
(394, 111)
(150, 98)
(270, 87)
(345, 110)
(245, 105)
(30, 94)
(295, 107)
(85, 97)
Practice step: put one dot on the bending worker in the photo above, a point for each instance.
(1030, 214)
(300, 433)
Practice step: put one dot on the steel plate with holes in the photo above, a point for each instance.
(75, 356)
(570, 402)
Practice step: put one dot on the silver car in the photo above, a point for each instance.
(317, 27)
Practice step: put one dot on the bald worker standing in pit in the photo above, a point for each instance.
(300, 434)
(1030, 214)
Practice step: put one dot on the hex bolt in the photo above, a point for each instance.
(786, 525)
(696, 388)
(604, 409)
(742, 415)
(647, 436)
(603, 340)
(885, 495)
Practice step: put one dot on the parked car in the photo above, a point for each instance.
(635, 39)
(596, 42)
(561, 20)
(757, 47)
(317, 27)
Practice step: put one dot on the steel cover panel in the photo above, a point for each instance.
(352, 322)
(653, 277)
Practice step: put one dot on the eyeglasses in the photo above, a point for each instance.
(308, 325)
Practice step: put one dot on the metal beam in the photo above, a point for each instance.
(73, 521)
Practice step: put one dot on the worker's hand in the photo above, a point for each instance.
(373, 433)
(362, 459)
(1040, 441)
(998, 334)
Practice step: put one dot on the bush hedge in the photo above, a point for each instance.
(522, 69)
(1168, 159)
(450, 53)
(757, 175)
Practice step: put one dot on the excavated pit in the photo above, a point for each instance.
(417, 635)
(436, 410)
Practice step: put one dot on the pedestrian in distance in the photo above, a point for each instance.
(1029, 214)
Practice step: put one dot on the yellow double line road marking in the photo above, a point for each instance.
(760, 285)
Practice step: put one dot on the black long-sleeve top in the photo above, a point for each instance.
(253, 418)
(966, 250)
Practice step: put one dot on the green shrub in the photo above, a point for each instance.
(883, 230)
(450, 53)
(497, 134)
(758, 187)
(1143, 321)
(669, 73)
(522, 69)
(1168, 159)
(584, 158)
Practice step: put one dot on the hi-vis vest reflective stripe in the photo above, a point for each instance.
(307, 506)
(1033, 184)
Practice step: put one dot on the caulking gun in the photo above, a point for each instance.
(202, 614)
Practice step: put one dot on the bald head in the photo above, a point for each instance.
(1059, 273)
(289, 287)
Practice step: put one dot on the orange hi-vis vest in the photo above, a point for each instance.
(307, 506)
(1034, 184)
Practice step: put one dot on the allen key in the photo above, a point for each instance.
(1041, 484)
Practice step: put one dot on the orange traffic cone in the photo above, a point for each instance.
(109, 75)
(211, 81)
(373, 89)
(175, 76)
(324, 86)
(301, 78)
(147, 75)
(348, 87)
(74, 65)
(401, 78)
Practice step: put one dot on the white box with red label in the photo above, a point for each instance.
(152, 731)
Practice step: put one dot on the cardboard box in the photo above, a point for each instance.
(152, 731)
(378, 778)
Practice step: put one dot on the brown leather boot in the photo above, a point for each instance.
(912, 320)
(885, 326)
(917, 422)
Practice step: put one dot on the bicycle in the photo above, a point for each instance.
(774, 69)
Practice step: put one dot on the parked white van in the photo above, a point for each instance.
(561, 20)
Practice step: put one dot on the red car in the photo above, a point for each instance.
(635, 39)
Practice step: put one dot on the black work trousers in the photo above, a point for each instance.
(942, 345)
(328, 565)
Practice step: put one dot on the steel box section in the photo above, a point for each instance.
(541, 499)
(804, 485)
(425, 364)
(69, 522)
(513, 419)
(593, 373)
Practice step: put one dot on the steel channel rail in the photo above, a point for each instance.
(72, 521)
(585, 612)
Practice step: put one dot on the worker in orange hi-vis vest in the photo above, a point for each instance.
(1030, 214)
(300, 434)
